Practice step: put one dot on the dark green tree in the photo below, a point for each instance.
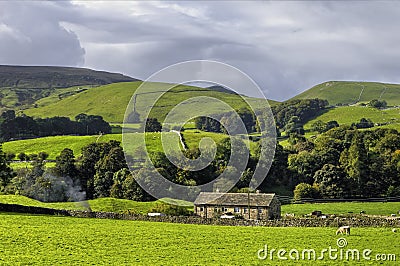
(6, 173)
(152, 125)
(332, 182)
(294, 125)
(131, 189)
(91, 155)
(354, 161)
(304, 165)
(318, 126)
(105, 169)
(65, 164)
(117, 189)
(379, 104)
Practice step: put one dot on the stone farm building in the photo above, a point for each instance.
(254, 206)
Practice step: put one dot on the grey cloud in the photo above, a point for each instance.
(34, 35)
(286, 47)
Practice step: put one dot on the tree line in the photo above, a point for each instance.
(289, 116)
(246, 116)
(20, 127)
(101, 171)
(343, 162)
(346, 162)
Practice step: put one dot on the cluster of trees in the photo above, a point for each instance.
(213, 125)
(364, 123)
(19, 127)
(289, 117)
(101, 171)
(152, 125)
(321, 127)
(6, 173)
(343, 162)
(219, 164)
(379, 104)
(303, 110)
(346, 162)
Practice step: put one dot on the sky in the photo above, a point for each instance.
(286, 47)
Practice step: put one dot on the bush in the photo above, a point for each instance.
(378, 104)
(304, 190)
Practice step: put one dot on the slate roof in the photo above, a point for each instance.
(234, 199)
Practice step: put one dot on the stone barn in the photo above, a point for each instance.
(252, 206)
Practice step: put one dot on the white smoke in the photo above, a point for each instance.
(51, 188)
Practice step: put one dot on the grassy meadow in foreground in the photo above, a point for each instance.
(50, 240)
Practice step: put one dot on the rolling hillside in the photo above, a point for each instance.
(351, 92)
(346, 115)
(110, 101)
(46, 77)
(22, 86)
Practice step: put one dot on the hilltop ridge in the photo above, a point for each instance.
(353, 92)
(47, 77)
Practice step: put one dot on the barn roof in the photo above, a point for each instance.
(234, 199)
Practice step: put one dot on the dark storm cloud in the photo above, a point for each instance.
(286, 47)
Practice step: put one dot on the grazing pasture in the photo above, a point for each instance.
(349, 92)
(372, 208)
(346, 115)
(110, 101)
(50, 240)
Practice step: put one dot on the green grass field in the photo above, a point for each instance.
(111, 101)
(50, 240)
(370, 208)
(100, 205)
(55, 144)
(19, 165)
(349, 92)
(347, 115)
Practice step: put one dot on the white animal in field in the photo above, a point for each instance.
(394, 230)
(343, 230)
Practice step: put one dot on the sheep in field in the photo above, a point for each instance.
(343, 230)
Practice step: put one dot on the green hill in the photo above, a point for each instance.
(46, 77)
(346, 115)
(351, 92)
(22, 86)
(110, 101)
